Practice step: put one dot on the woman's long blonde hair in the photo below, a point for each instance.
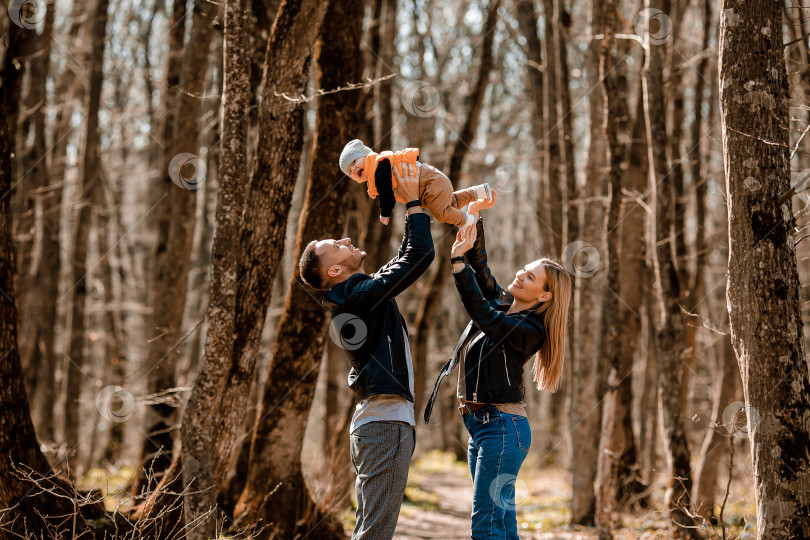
(550, 359)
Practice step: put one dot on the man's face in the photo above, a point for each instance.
(339, 257)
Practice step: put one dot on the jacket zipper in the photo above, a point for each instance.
(390, 354)
(478, 373)
(505, 367)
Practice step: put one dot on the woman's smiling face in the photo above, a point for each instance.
(529, 285)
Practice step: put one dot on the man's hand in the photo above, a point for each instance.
(408, 182)
(384, 220)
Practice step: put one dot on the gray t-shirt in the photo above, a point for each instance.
(387, 407)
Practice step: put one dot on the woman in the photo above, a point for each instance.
(508, 328)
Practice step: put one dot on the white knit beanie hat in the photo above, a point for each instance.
(353, 150)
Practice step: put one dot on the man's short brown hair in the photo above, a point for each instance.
(310, 267)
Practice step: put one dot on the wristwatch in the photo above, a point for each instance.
(459, 259)
(411, 204)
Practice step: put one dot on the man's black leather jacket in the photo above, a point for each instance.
(365, 314)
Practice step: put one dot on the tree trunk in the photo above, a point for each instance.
(162, 213)
(527, 22)
(648, 425)
(32, 511)
(36, 173)
(334, 366)
(695, 291)
(560, 405)
(714, 450)
(614, 465)
(39, 313)
(632, 261)
(69, 90)
(267, 205)
(173, 258)
(763, 281)
(18, 442)
(385, 33)
(199, 425)
(371, 56)
(588, 373)
(670, 331)
(676, 178)
(111, 364)
(571, 218)
(383, 90)
(88, 193)
(554, 202)
(433, 293)
(299, 341)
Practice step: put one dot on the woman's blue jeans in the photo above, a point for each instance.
(498, 445)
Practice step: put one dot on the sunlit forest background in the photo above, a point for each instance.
(168, 375)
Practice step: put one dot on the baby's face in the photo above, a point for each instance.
(356, 170)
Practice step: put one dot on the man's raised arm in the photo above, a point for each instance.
(415, 254)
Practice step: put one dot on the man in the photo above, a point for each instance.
(366, 322)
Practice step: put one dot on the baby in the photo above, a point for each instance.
(436, 193)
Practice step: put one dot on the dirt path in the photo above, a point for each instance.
(450, 521)
(438, 501)
(442, 510)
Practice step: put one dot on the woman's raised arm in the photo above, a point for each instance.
(477, 259)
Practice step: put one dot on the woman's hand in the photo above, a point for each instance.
(482, 204)
(464, 242)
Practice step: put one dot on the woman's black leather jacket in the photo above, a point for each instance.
(494, 364)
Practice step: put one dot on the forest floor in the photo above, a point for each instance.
(438, 500)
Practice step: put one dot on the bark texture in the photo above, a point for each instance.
(33, 511)
(203, 411)
(267, 202)
(670, 330)
(553, 201)
(275, 454)
(527, 23)
(617, 429)
(632, 260)
(39, 315)
(380, 124)
(588, 373)
(763, 281)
